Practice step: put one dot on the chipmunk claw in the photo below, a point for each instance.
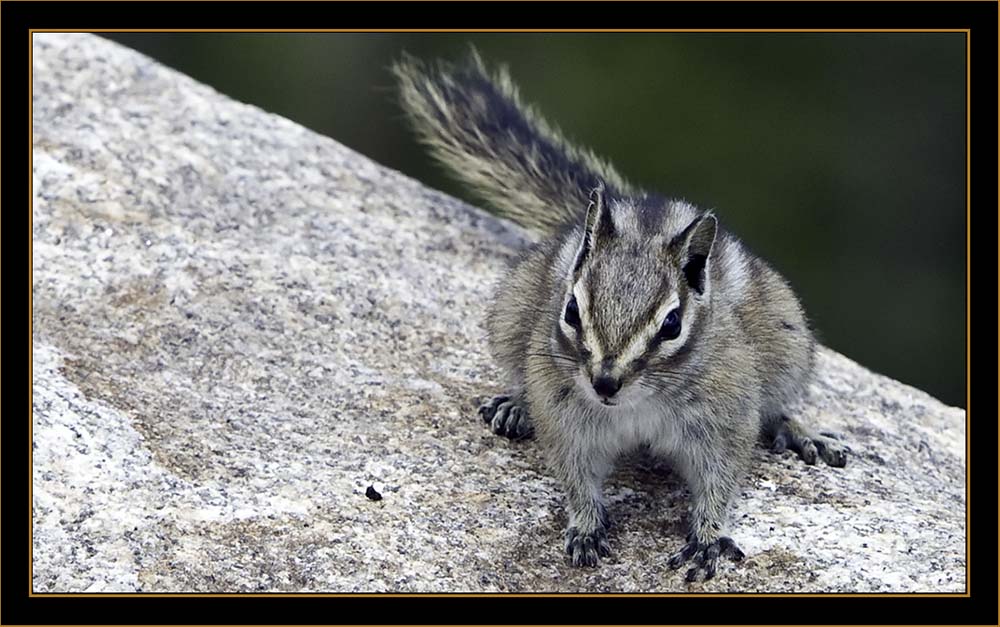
(706, 556)
(584, 549)
(809, 446)
(507, 417)
(489, 409)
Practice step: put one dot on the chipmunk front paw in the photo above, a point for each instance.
(585, 548)
(507, 417)
(706, 556)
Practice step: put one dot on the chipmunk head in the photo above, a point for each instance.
(634, 299)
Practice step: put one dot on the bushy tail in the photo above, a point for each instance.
(476, 125)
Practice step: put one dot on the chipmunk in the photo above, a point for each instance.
(633, 320)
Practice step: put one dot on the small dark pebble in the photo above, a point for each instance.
(373, 494)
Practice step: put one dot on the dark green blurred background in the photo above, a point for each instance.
(839, 157)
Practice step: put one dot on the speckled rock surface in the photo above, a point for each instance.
(240, 325)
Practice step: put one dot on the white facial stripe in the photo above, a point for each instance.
(589, 337)
(637, 345)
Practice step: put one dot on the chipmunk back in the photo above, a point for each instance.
(634, 320)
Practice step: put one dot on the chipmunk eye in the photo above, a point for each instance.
(572, 314)
(671, 326)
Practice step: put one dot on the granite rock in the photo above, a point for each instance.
(240, 325)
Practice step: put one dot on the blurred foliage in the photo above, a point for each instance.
(839, 157)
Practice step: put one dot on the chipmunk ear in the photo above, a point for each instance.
(597, 227)
(697, 241)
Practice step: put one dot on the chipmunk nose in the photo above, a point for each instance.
(606, 385)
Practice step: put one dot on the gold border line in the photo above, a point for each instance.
(968, 309)
(968, 166)
(501, 30)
